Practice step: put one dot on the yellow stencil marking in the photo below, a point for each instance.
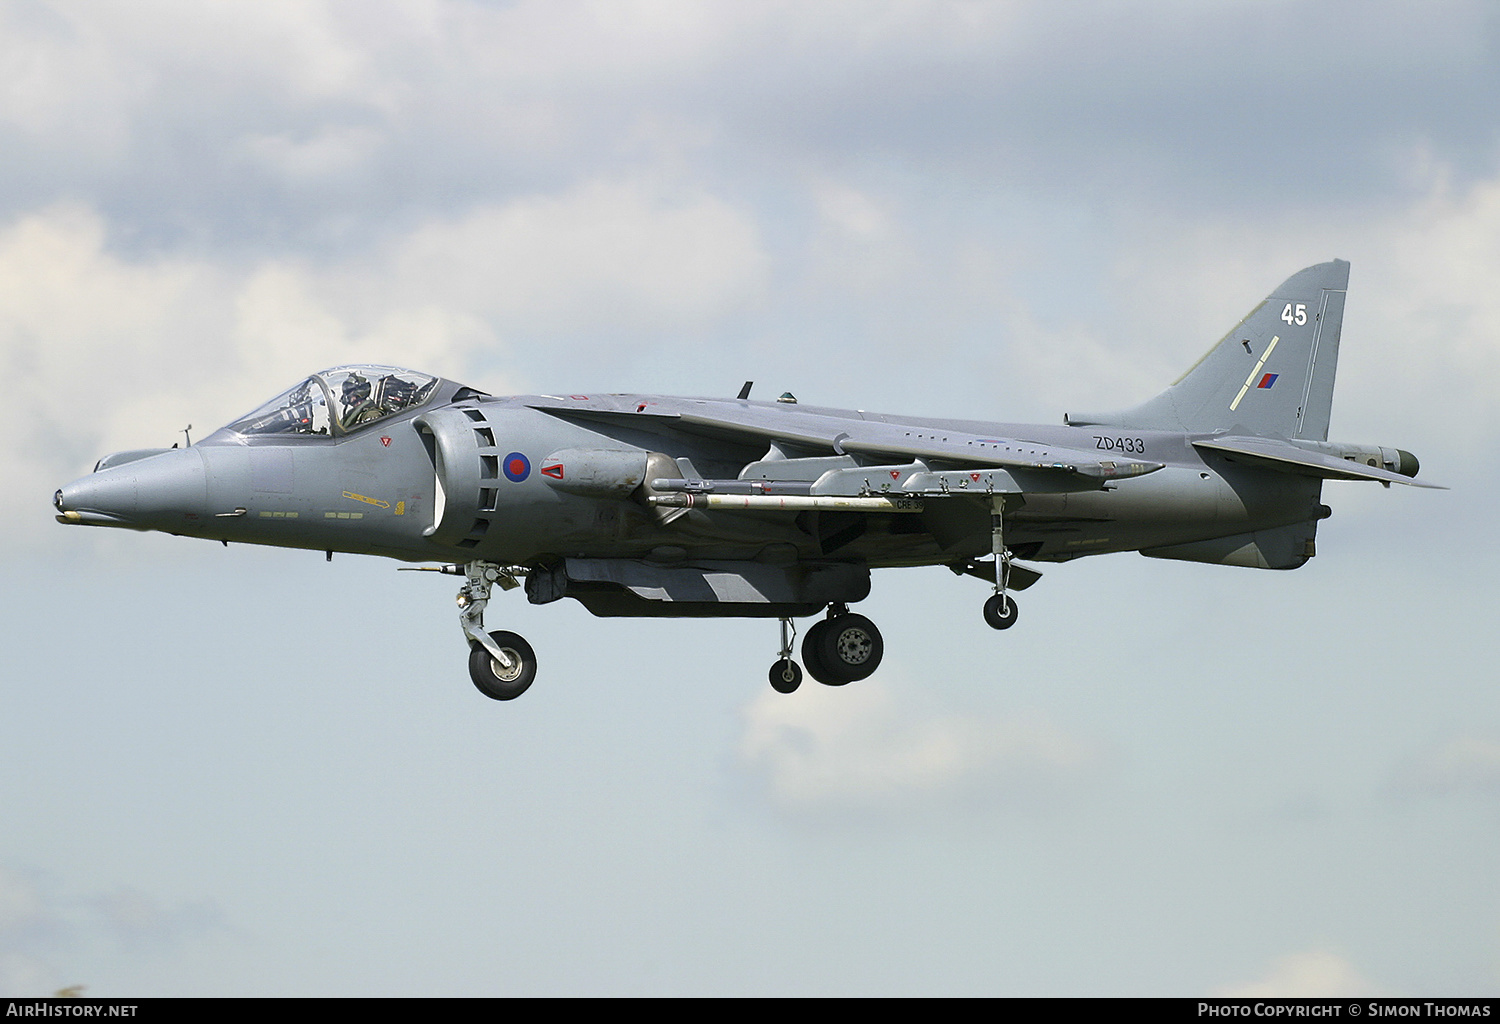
(367, 501)
(1254, 373)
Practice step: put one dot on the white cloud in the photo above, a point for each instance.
(20, 902)
(1466, 765)
(604, 253)
(850, 212)
(327, 153)
(1312, 974)
(859, 747)
(85, 336)
(1433, 295)
(40, 928)
(24, 920)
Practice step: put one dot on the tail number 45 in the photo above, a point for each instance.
(1295, 315)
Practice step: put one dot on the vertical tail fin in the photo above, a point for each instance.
(1271, 376)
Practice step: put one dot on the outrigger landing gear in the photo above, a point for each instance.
(1000, 610)
(786, 674)
(502, 664)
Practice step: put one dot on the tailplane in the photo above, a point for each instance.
(1271, 376)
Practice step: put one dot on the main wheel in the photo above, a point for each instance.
(1000, 612)
(786, 676)
(849, 648)
(812, 653)
(502, 680)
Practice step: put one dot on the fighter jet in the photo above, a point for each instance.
(644, 505)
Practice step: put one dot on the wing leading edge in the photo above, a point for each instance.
(935, 460)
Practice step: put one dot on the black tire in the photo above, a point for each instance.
(812, 655)
(786, 676)
(494, 680)
(998, 617)
(849, 649)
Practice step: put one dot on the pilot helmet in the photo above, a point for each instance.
(356, 389)
(396, 394)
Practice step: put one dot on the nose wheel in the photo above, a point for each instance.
(505, 677)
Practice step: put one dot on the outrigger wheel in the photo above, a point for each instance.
(786, 676)
(1000, 611)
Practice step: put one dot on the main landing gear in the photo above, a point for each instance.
(839, 649)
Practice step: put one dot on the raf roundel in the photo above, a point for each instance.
(517, 467)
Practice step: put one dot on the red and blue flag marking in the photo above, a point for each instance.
(516, 467)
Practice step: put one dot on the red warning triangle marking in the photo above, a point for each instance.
(555, 472)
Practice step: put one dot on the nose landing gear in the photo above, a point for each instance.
(501, 664)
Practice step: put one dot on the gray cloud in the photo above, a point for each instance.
(265, 125)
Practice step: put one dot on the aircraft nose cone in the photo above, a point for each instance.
(104, 498)
(151, 493)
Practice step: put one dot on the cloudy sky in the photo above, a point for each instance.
(242, 771)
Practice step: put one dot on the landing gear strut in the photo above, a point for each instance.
(1000, 610)
(786, 674)
(502, 664)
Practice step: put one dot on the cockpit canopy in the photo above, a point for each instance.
(339, 401)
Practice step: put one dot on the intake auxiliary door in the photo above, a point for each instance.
(466, 467)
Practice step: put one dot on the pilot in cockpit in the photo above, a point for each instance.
(356, 402)
(396, 394)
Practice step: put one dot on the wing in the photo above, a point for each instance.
(878, 465)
